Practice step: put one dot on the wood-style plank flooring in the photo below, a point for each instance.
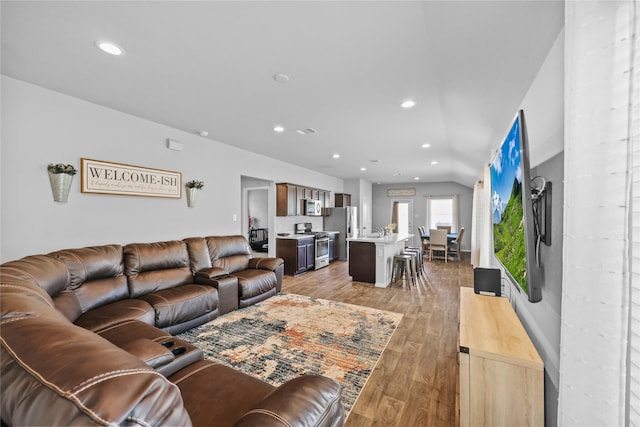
(416, 380)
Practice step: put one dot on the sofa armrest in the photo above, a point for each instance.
(204, 276)
(309, 400)
(150, 352)
(270, 264)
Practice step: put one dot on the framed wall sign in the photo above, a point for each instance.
(100, 177)
(401, 192)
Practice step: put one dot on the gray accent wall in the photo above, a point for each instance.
(542, 319)
(382, 204)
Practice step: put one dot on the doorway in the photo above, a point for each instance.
(256, 215)
(402, 215)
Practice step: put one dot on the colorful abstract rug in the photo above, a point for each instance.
(289, 335)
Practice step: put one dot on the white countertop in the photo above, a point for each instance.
(373, 238)
(303, 236)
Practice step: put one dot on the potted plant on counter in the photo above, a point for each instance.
(60, 177)
(192, 191)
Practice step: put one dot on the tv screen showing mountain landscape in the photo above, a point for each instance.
(506, 207)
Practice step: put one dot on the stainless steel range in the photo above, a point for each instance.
(321, 240)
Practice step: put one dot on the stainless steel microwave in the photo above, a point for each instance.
(312, 207)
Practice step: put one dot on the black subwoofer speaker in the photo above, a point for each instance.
(486, 281)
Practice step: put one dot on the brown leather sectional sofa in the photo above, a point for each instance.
(86, 339)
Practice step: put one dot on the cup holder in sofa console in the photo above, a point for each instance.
(178, 351)
(183, 353)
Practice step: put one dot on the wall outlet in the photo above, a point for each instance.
(235, 217)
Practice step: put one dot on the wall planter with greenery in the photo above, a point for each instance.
(60, 177)
(192, 191)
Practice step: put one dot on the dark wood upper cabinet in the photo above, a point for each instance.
(343, 199)
(289, 198)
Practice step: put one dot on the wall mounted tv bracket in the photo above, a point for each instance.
(541, 205)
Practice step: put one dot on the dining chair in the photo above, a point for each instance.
(454, 245)
(437, 242)
(424, 243)
(444, 227)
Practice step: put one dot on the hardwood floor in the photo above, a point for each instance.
(416, 380)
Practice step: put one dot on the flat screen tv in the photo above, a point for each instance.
(512, 213)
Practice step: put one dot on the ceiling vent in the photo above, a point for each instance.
(306, 131)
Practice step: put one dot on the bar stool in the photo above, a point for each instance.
(402, 262)
(414, 262)
(420, 259)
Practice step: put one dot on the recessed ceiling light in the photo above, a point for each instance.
(281, 78)
(336, 156)
(397, 174)
(426, 145)
(435, 162)
(110, 48)
(363, 169)
(417, 178)
(278, 128)
(409, 103)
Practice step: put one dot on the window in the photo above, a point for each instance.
(442, 211)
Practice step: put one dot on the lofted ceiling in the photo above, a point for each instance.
(210, 66)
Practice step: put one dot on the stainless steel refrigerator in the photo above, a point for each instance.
(345, 221)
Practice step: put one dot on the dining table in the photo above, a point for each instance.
(450, 236)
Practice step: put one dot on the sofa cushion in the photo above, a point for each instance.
(229, 252)
(254, 282)
(151, 267)
(48, 273)
(199, 256)
(206, 399)
(307, 400)
(116, 312)
(96, 278)
(179, 304)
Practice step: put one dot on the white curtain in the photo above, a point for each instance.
(455, 221)
(634, 334)
(476, 223)
(598, 385)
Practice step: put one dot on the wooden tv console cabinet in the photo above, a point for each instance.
(501, 373)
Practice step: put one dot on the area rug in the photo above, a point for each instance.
(290, 335)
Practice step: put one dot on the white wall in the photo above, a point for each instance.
(40, 126)
(361, 194)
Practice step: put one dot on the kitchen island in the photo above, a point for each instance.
(371, 257)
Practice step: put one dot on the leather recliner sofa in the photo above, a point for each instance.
(216, 256)
(85, 337)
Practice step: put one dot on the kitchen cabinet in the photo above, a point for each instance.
(501, 373)
(289, 199)
(286, 197)
(343, 199)
(362, 261)
(334, 247)
(310, 251)
(298, 254)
